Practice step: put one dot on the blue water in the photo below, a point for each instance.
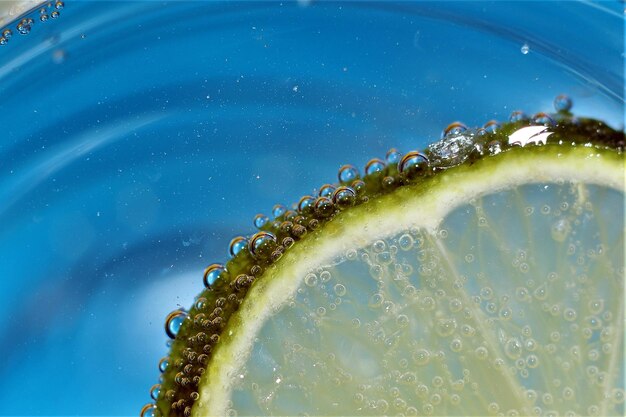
(137, 138)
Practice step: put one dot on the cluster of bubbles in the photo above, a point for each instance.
(276, 234)
(51, 10)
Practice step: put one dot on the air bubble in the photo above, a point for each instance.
(200, 303)
(595, 306)
(594, 322)
(278, 210)
(174, 321)
(445, 327)
(325, 276)
(326, 190)
(506, 313)
(568, 393)
(486, 293)
(513, 348)
(569, 314)
(455, 305)
(409, 378)
(428, 303)
(340, 290)
(323, 206)
(344, 197)
(467, 330)
(517, 116)
(405, 242)
(411, 411)
(530, 344)
(237, 245)
(384, 258)
(618, 395)
(358, 398)
(531, 395)
(453, 128)
(456, 345)
(374, 165)
(163, 364)
(543, 119)
(358, 186)
(306, 204)
(547, 399)
(310, 280)
(211, 274)
(413, 163)
(154, 391)
(393, 156)
(525, 49)
(421, 357)
(491, 126)
(148, 410)
(606, 334)
(262, 244)
(541, 293)
(260, 220)
(562, 103)
(421, 391)
(379, 246)
(348, 173)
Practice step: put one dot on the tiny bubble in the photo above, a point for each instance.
(525, 49)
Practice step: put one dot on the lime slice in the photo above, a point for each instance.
(497, 288)
(479, 278)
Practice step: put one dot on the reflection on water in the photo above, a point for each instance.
(139, 138)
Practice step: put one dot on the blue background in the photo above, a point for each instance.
(138, 138)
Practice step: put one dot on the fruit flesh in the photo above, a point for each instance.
(422, 209)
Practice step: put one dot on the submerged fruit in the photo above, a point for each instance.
(481, 276)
